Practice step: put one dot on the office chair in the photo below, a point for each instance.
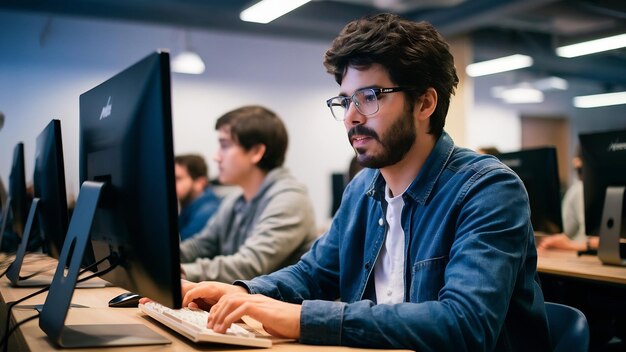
(569, 331)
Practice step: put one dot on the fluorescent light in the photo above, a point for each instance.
(551, 83)
(592, 46)
(266, 11)
(522, 95)
(502, 64)
(597, 100)
(188, 62)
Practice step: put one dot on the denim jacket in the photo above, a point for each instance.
(470, 264)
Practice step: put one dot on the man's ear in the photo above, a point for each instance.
(427, 104)
(200, 183)
(256, 152)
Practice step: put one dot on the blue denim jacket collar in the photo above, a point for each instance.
(431, 170)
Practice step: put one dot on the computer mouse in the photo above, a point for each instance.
(125, 300)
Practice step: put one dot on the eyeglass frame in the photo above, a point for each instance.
(377, 92)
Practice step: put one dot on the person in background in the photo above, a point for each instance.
(573, 212)
(198, 202)
(3, 197)
(266, 225)
(432, 247)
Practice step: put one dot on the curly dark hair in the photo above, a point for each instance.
(414, 54)
(253, 125)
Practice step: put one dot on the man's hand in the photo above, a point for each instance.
(278, 318)
(205, 294)
(560, 241)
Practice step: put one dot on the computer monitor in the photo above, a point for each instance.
(127, 203)
(47, 221)
(538, 169)
(16, 207)
(49, 188)
(338, 184)
(604, 181)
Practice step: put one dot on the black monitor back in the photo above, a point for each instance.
(338, 184)
(15, 210)
(126, 142)
(604, 165)
(49, 187)
(17, 191)
(538, 169)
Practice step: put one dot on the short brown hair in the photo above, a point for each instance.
(414, 54)
(253, 125)
(195, 165)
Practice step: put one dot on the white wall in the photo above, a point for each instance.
(43, 80)
(492, 125)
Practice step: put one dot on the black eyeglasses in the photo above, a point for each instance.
(365, 100)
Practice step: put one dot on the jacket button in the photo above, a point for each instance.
(380, 222)
(367, 266)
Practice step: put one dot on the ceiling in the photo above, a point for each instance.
(498, 27)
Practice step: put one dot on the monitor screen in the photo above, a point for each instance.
(49, 187)
(538, 169)
(604, 165)
(16, 211)
(126, 143)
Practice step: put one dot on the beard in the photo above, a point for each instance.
(395, 144)
(186, 199)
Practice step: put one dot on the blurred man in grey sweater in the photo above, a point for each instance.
(266, 226)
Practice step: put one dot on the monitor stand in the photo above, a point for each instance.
(54, 311)
(611, 227)
(13, 273)
(5, 217)
(14, 269)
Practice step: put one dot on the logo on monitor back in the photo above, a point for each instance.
(617, 146)
(106, 110)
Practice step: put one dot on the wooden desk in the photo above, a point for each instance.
(30, 338)
(586, 267)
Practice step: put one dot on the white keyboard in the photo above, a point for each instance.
(191, 323)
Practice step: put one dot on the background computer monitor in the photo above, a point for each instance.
(604, 166)
(538, 169)
(126, 143)
(338, 184)
(47, 221)
(16, 209)
(49, 187)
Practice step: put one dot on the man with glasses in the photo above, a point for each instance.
(432, 247)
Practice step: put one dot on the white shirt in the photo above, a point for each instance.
(389, 267)
(573, 209)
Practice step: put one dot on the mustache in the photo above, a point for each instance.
(363, 131)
